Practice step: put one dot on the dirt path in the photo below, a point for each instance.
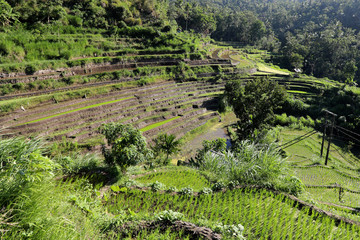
(218, 130)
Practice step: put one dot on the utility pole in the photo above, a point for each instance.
(323, 140)
(331, 133)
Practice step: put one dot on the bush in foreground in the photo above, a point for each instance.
(252, 163)
(127, 146)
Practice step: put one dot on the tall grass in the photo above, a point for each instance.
(49, 210)
(35, 206)
(21, 162)
(252, 163)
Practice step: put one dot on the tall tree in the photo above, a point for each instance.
(254, 104)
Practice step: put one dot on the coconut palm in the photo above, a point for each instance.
(167, 144)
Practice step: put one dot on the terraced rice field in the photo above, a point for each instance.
(114, 86)
(109, 86)
(176, 178)
(149, 108)
(272, 217)
(333, 188)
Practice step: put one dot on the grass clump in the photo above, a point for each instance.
(250, 163)
(22, 162)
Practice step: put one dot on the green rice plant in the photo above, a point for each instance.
(319, 175)
(79, 109)
(262, 213)
(177, 178)
(158, 124)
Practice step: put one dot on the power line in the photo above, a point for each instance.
(348, 135)
(347, 130)
(338, 151)
(297, 140)
(338, 139)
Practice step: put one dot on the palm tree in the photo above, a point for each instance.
(167, 144)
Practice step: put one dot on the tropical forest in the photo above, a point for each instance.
(180, 119)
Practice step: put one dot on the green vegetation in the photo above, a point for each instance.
(177, 178)
(254, 104)
(167, 144)
(105, 68)
(158, 124)
(127, 145)
(79, 109)
(234, 207)
(248, 163)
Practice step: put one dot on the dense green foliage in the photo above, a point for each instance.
(167, 144)
(127, 145)
(89, 13)
(21, 163)
(319, 37)
(254, 104)
(250, 163)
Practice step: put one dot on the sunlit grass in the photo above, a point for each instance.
(78, 109)
(158, 124)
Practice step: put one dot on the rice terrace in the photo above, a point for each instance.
(179, 119)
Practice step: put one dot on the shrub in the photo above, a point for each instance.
(290, 184)
(169, 216)
(127, 145)
(218, 186)
(233, 184)
(187, 191)
(78, 163)
(5, 47)
(171, 189)
(230, 231)
(217, 145)
(156, 186)
(30, 69)
(129, 183)
(19, 86)
(250, 163)
(206, 191)
(281, 119)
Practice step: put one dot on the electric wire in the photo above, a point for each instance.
(347, 130)
(297, 140)
(339, 138)
(342, 155)
(348, 135)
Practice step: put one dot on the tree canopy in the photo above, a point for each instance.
(319, 37)
(168, 144)
(254, 104)
(126, 145)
